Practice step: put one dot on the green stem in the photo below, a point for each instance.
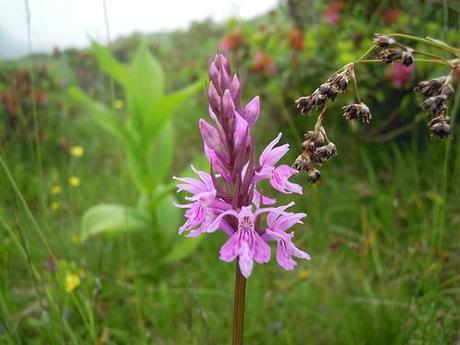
(238, 307)
(429, 41)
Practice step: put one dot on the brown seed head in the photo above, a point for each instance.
(390, 55)
(358, 111)
(383, 41)
(314, 175)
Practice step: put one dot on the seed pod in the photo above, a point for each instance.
(390, 55)
(430, 88)
(435, 104)
(304, 104)
(302, 163)
(314, 175)
(358, 111)
(325, 152)
(383, 41)
(440, 129)
(407, 57)
(328, 90)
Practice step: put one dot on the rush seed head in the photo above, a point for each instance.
(383, 41)
(358, 111)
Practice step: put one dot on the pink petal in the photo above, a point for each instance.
(210, 135)
(252, 111)
(241, 132)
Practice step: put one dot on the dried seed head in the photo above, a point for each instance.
(440, 126)
(302, 163)
(407, 57)
(328, 90)
(390, 55)
(314, 175)
(325, 152)
(304, 104)
(383, 41)
(432, 87)
(447, 89)
(358, 111)
(435, 104)
(340, 81)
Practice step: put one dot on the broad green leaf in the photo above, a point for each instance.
(145, 86)
(102, 115)
(168, 218)
(109, 64)
(113, 218)
(161, 153)
(183, 247)
(139, 171)
(166, 107)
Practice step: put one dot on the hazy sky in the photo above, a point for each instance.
(67, 23)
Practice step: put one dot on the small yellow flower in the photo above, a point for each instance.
(117, 104)
(55, 190)
(77, 151)
(304, 274)
(54, 206)
(74, 181)
(72, 281)
(75, 239)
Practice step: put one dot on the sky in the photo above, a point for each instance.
(70, 23)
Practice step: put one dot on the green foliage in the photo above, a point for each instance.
(148, 138)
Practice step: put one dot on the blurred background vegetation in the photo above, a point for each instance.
(382, 229)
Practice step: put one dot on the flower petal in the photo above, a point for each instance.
(252, 111)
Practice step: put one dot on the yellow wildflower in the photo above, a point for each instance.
(55, 190)
(72, 281)
(74, 181)
(54, 206)
(304, 274)
(117, 104)
(75, 239)
(77, 151)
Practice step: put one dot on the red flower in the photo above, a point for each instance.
(391, 15)
(263, 63)
(296, 40)
(232, 41)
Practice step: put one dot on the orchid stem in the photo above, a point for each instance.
(238, 307)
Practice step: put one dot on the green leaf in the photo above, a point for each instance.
(102, 115)
(161, 154)
(168, 218)
(166, 107)
(113, 218)
(109, 64)
(183, 247)
(146, 85)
